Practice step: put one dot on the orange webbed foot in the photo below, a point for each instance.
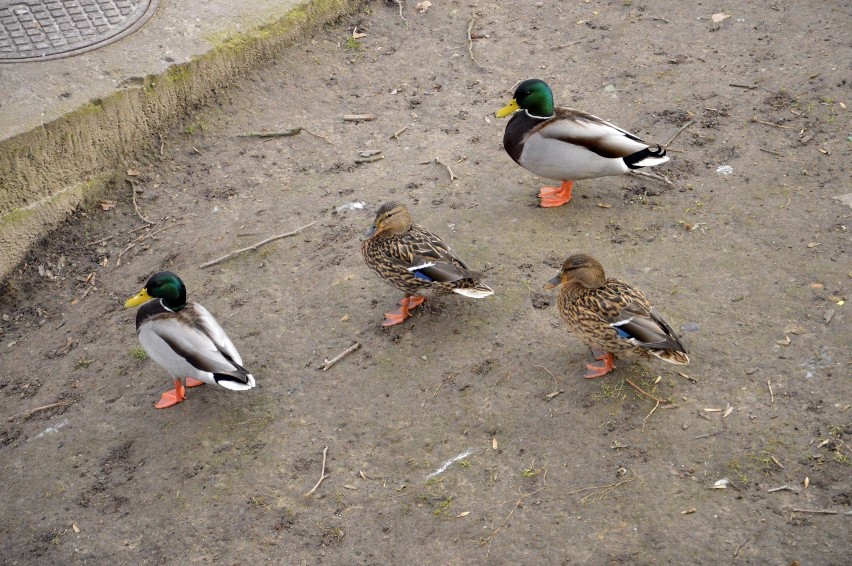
(398, 316)
(556, 196)
(172, 396)
(192, 382)
(601, 370)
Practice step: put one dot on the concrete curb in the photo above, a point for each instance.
(46, 173)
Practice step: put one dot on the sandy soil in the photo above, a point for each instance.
(753, 266)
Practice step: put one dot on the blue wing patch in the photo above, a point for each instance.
(622, 333)
(422, 276)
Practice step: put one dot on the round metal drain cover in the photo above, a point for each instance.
(37, 30)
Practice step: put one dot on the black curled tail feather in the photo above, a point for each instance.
(647, 157)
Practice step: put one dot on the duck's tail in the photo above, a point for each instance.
(240, 380)
(477, 291)
(647, 157)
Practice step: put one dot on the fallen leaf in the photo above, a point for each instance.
(604, 205)
(785, 342)
(351, 487)
(807, 482)
(719, 17)
(75, 527)
(494, 443)
(107, 204)
(843, 105)
(363, 475)
(462, 514)
(133, 173)
(422, 6)
(689, 511)
(727, 412)
(829, 314)
(357, 34)
(814, 244)
(795, 329)
(817, 286)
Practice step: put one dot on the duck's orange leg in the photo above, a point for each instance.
(601, 370)
(192, 382)
(556, 196)
(172, 396)
(398, 316)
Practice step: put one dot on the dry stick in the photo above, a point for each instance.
(817, 511)
(683, 375)
(649, 415)
(749, 87)
(323, 475)
(780, 488)
(769, 151)
(742, 544)
(328, 141)
(643, 392)
(340, 356)
(263, 135)
(765, 123)
(564, 45)
(135, 206)
(450, 171)
(42, 408)
(640, 173)
(358, 117)
(708, 435)
(396, 134)
(101, 241)
(487, 540)
(255, 246)
(369, 159)
(677, 133)
(605, 488)
(470, 41)
(139, 239)
(556, 390)
(399, 3)
(771, 394)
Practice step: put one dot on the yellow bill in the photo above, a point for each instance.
(508, 109)
(137, 299)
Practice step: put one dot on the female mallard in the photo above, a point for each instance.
(185, 340)
(612, 316)
(568, 144)
(415, 261)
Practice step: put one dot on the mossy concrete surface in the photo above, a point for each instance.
(67, 126)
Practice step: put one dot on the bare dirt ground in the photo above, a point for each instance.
(753, 266)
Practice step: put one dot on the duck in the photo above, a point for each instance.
(415, 261)
(185, 340)
(567, 144)
(611, 316)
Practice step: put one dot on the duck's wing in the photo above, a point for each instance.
(586, 130)
(431, 259)
(641, 325)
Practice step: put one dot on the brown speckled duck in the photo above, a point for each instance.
(415, 261)
(567, 144)
(612, 316)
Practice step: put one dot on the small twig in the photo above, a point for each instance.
(605, 489)
(42, 408)
(358, 117)
(369, 159)
(264, 135)
(643, 392)
(769, 151)
(323, 475)
(399, 3)
(649, 415)
(487, 540)
(255, 246)
(328, 141)
(677, 133)
(140, 238)
(756, 120)
(470, 41)
(136, 206)
(569, 44)
(683, 375)
(329, 363)
(749, 87)
(784, 487)
(640, 173)
(396, 134)
(450, 171)
(742, 544)
(655, 18)
(817, 511)
(101, 241)
(771, 394)
(556, 391)
(708, 435)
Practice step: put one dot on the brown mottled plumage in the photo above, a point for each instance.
(612, 316)
(415, 261)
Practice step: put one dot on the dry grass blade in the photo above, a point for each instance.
(255, 246)
(470, 41)
(487, 540)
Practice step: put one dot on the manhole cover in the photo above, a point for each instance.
(37, 30)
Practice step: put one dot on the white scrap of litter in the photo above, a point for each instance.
(449, 463)
(351, 206)
(724, 169)
(844, 199)
(721, 484)
(52, 429)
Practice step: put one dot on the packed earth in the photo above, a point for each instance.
(466, 434)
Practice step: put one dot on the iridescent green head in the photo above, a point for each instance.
(163, 285)
(532, 95)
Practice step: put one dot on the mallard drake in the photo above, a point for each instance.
(612, 316)
(415, 261)
(185, 340)
(568, 144)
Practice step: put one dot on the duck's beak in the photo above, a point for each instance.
(137, 299)
(555, 282)
(508, 109)
(369, 233)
